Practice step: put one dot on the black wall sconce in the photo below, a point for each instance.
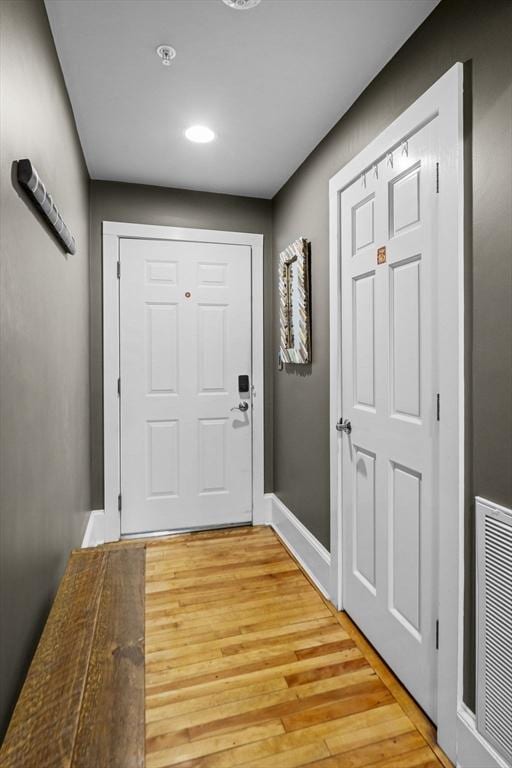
(30, 180)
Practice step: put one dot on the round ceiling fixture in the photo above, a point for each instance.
(200, 134)
(242, 5)
(166, 53)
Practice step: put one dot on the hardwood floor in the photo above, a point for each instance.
(248, 665)
(243, 663)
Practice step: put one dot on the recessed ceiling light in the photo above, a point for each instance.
(200, 134)
(166, 53)
(242, 5)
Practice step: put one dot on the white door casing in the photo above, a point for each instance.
(389, 386)
(442, 103)
(185, 337)
(117, 235)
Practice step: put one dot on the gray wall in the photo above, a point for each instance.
(112, 201)
(478, 33)
(44, 339)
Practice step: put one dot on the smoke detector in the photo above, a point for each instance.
(166, 53)
(242, 5)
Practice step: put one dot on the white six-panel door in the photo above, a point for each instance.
(185, 337)
(389, 388)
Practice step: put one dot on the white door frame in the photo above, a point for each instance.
(112, 233)
(444, 102)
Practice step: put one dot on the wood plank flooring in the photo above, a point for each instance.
(247, 665)
(211, 650)
(82, 704)
(111, 725)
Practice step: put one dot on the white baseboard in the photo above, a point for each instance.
(267, 506)
(312, 555)
(473, 751)
(95, 531)
(262, 510)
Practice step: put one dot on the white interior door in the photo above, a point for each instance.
(185, 338)
(389, 395)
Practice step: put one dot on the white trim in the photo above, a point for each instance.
(111, 372)
(95, 530)
(269, 500)
(443, 101)
(473, 751)
(312, 555)
(112, 233)
(335, 393)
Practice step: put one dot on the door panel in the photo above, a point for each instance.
(363, 218)
(162, 458)
(212, 456)
(388, 269)
(405, 338)
(364, 516)
(212, 348)
(404, 200)
(185, 320)
(162, 329)
(364, 340)
(405, 544)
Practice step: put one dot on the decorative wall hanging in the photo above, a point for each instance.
(30, 180)
(294, 303)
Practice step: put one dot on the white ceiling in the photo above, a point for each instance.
(270, 82)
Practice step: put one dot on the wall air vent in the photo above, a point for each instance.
(494, 616)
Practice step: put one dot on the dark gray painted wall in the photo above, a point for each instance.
(478, 33)
(44, 339)
(112, 201)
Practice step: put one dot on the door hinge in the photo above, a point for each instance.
(437, 634)
(119, 387)
(118, 270)
(119, 503)
(437, 178)
(438, 407)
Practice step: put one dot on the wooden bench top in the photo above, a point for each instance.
(82, 704)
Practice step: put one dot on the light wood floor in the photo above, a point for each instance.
(247, 665)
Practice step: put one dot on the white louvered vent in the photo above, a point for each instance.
(494, 608)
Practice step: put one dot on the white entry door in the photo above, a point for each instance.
(185, 338)
(389, 396)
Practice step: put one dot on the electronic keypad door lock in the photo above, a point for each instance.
(344, 426)
(244, 393)
(243, 386)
